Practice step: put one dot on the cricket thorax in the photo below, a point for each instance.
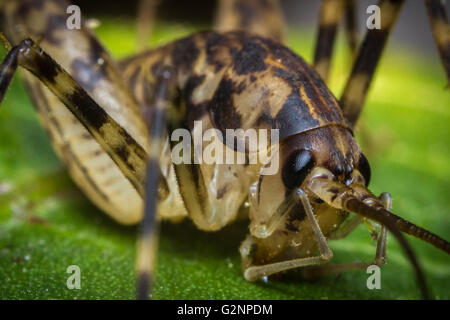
(280, 237)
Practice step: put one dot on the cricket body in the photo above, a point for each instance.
(107, 123)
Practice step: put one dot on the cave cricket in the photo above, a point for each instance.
(110, 121)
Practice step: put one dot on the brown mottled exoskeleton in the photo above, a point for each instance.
(110, 125)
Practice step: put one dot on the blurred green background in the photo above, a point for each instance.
(46, 224)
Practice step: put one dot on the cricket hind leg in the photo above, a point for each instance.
(379, 260)
(441, 31)
(256, 272)
(369, 54)
(128, 155)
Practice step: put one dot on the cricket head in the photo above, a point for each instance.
(328, 166)
(330, 153)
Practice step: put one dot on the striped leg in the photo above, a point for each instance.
(350, 26)
(441, 31)
(128, 155)
(146, 15)
(330, 16)
(148, 235)
(7, 70)
(369, 54)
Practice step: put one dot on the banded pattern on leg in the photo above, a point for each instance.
(369, 54)
(148, 236)
(122, 148)
(127, 154)
(90, 167)
(82, 56)
(330, 16)
(350, 26)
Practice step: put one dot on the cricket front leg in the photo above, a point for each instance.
(379, 260)
(148, 234)
(253, 273)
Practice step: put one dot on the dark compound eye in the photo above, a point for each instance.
(364, 168)
(296, 168)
